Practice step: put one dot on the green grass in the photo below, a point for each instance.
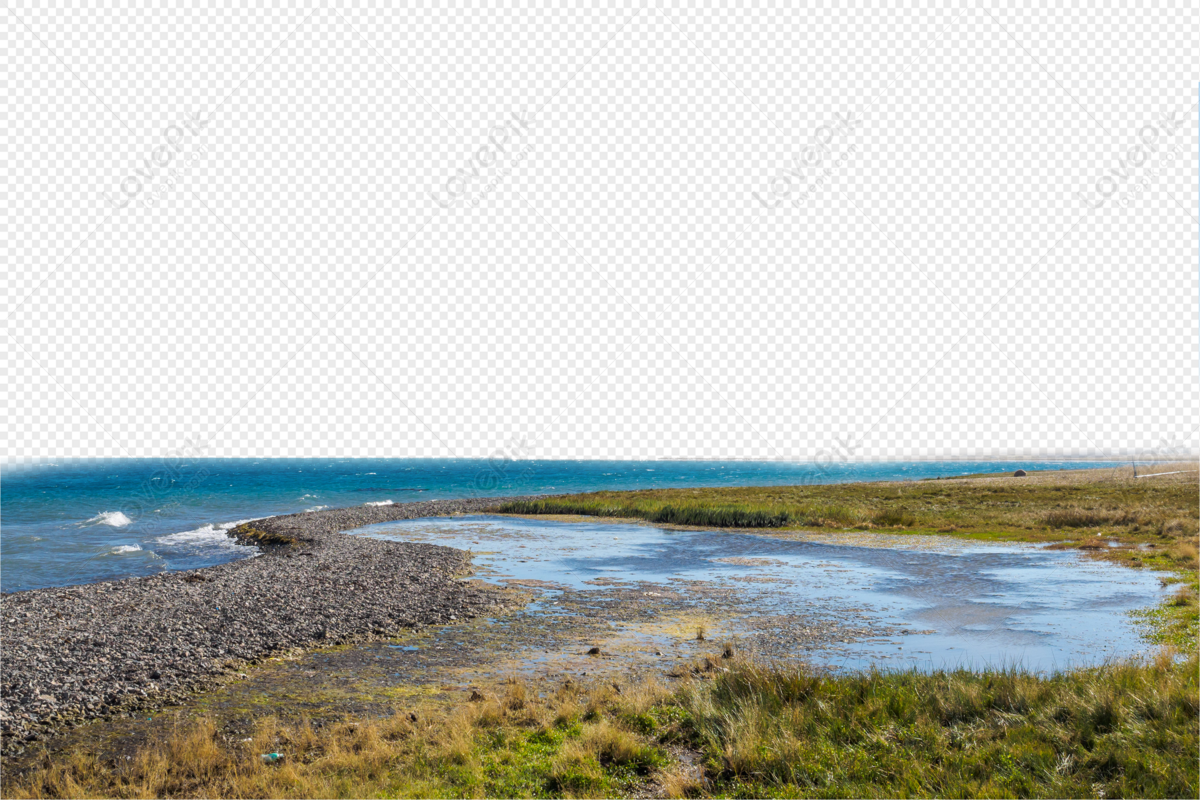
(1175, 622)
(1119, 730)
(1115, 731)
(1045, 506)
(692, 514)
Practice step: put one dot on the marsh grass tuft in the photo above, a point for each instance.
(1128, 729)
(1080, 518)
(894, 518)
(745, 728)
(696, 515)
(1183, 597)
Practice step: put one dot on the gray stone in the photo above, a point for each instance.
(96, 649)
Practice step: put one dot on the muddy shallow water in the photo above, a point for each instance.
(923, 602)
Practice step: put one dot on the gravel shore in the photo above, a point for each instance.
(78, 652)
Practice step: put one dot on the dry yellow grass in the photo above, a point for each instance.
(680, 780)
(745, 729)
(471, 749)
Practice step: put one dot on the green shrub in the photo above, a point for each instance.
(1075, 518)
(894, 518)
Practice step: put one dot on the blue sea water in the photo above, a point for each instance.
(86, 521)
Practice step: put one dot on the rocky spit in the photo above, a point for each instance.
(78, 652)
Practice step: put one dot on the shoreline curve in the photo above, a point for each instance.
(86, 651)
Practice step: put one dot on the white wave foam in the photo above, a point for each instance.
(205, 537)
(206, 533)
(114, 519)
(315, 508)
(127, 548)
(381, 503)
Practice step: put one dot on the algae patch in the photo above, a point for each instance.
(248, 534)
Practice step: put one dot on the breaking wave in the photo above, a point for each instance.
(113, 519)
(206, 537)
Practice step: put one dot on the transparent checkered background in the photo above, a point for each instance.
(945, 290)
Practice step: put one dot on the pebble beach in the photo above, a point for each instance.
(80, 652)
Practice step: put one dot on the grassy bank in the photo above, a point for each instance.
(1139, 522)
(727, 728)
(1075, 505)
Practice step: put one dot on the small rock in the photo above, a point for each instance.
(1019, 473)
(595, 651)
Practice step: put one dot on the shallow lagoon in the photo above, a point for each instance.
(892, 601)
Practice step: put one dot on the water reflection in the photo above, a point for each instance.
(927, 602)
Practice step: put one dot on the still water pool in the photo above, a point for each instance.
(845, 601)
